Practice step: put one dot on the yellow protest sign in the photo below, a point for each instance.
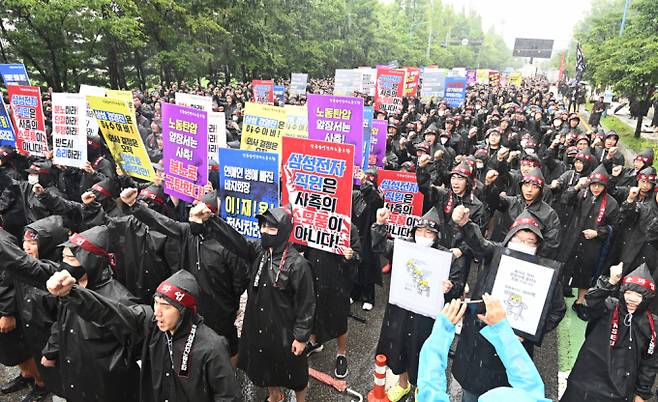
(117, 123)
(262, 128)
(515, 79)
(482, 75)
(296, 121)
(119, 94)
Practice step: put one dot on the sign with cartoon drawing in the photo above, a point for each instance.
(417, 276)
(525, 285)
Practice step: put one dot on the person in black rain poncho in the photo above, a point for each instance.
(618, 360)
(183, 360)
(279, 314)
(403, 332)
(476, 366)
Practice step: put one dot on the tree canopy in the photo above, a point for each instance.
(135, 43)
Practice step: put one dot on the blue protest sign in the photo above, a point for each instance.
(455, 91)
(248, 186)
(14, 74)
(7, 136)
(280, 93)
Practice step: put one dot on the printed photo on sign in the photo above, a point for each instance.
(317, 182)
(248, 186)
(417, 276)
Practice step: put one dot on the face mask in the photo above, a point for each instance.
(521, 247)
(235, 118)
(529, 151)
(444, 140)
(33, 179)
(479, 165)
(523, 143)
(268, 240)
(557, 123)
(424, 241)
(478, 107)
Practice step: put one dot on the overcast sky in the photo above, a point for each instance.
(537, 19)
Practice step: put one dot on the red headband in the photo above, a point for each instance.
(533, 179)
(102, 190)
(599, 176)
(648, 177)
(211, 208)
(643, 158)
(636, 280)
(529, 162)
(584, 156)
(86, 245)
(177, 294)
(152, 196)
(525, 221)
(30, 235)
(39, 169)
(461, 170)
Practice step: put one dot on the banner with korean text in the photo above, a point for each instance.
(262, 128)
(403, 198)
(411, 81)
(69, 129)
(377, 143)
(7, 134)
(27, 118)
(455, 91)
(317, 182)
(298, 82)
(14, 74)
(296, 121)
(248, 186)
(389, 90)
(263, 91)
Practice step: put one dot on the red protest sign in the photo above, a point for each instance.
(318, 184)
(403, 198)
(389, 90)
(263, 91)
(494, 78)
(27, 116)
(411, 81)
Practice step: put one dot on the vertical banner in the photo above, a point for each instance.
(216, 135)
(296, 121)
(90, 90)
(262, 128)
(337, 119)
(471, 77)
(263, 91)
(403, 198)
(378, 143)
(14, 74)
(368, 114)
(185, 135)
(248, 186)
(433, 84)
(494, 78)
(389, 90)
(280, 94)
(482, 76)
(562, 66)
(27, 117)
(368, 77)
(318, 183)
(417, 277)
(7, 134)
(515, 79)
(298, 82)
(455, 91)
(411, 81)
(118, 126)
(194, 101)
(69, 129)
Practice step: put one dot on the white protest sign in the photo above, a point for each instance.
(417, 277)
(523, 289)
(216, 135)
(69, 117)
(90, 90)
(196, 101)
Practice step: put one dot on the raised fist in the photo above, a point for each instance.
(382, 216)
(491, 177)
(460, 215)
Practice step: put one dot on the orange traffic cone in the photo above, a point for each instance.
(378, 393)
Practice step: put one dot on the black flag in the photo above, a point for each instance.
(580, 63)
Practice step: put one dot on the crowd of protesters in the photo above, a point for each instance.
(112, 290)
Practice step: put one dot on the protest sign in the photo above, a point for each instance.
(515, 79)
(248, 186)
(69, 129)
(317, 183)
(216, 135)
(14, 74)
(280, 94)
(403, 198)
(27, 119)
(471, 77)
(263, 91)
(117, 124)
(378, 143)
(296, 121)
(347, 82)
(457, 72)
(126, 96)
(433, 84)
(337, 119)
(298, 82)
(90, 90)
(368, 77)
(411, 81)
(482, 76)
(455, 91)
(7, 134)
(185, 136)
(494, 78)
(195, 101)
(389, 90)
(367, 133)
(525, 284)
(262, 128)
(417, 277)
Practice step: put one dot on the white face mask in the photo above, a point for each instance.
(521, 247)
(529, 151)
(235, 118)
(424, 241)
(444, 140)
(479, 165)
(33, 179)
